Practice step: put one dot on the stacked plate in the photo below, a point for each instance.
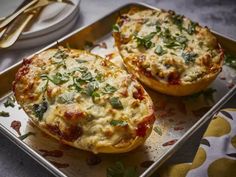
(54, 21)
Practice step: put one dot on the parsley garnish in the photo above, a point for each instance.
(4, 114)
(60, 55)
(189, 57)
(10, 102)
(158, 28)
(191, 27)
(115, 28)
(118, 123)
(158, 130)
(116, 103)
(99, 77)
(66, 98)
(230, 60)
(159, 50)
(81, 61)
(169, 40)
(109, 89)
(146, 40)
(95, 95)
(22, 137)
(178, 21)
(40, 109)
(91, 87)
(87, 76)
(119, 170)
(59, 78)
(77, 84)
(181, 39)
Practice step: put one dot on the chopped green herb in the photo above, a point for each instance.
(4, 114)
(87, 77)
(59, 78)
(158, 28)
(172, 44)
(146, 40)
(60, 54)
(191, 27)
(170, 41)
(99, 77)
(22, 137)
(159, 50)
(81, 61)
(189, 57)
(40, 109)
(10, 102)
(94, 96)
(66, 98)
(158, 130)
(115, 28)
(81, 69)
(118, 123)
(116, 103)
(181, 39)
(119, 170)
(178, 21)
(109, 89)
(77, 84)
(60, 57)
(91, 87)
(230, 60)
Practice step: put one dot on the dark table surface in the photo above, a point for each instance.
(218, 15)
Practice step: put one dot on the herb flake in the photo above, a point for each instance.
(9, 102)
(120, 123)
(109, 89)
(159, 50)
(115, 28)
(119, 170)
(230, 60)
(40, 109)
(158, 130)
(189, 57)
(4, 114)
(22, 137)
(116, 103)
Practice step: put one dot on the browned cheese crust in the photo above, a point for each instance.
(84, 101)
(168, 52)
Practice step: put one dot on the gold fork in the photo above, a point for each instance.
(12, 33)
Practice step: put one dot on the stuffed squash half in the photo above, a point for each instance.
(168, 52)
(84, 101)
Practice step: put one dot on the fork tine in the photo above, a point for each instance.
(42, 3)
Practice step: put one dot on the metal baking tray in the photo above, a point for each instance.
(177, 117)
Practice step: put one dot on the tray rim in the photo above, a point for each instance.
(54, 170)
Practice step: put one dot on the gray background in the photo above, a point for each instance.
(218, 15)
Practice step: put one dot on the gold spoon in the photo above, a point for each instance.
(10, 18)
(12, 33)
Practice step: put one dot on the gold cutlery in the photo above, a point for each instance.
(10, 18)
(13, 31)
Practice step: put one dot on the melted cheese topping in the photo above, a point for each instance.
(82, 98)
(167, 47)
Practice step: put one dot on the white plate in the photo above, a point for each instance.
(54, 21)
